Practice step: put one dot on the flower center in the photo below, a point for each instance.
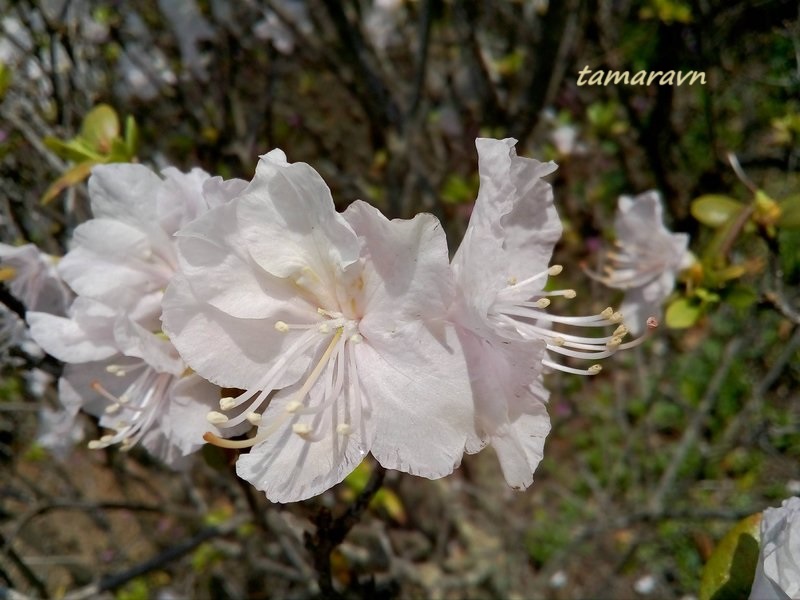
(520, 307)
(133, 412)
(331, 370)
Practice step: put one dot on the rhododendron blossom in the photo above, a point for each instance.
(334, 327)
(501, 269)
(646, 259)
(120, 364)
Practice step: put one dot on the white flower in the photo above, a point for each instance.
(120, 366)
(646, 259)
(32, 278)
(501, 269)
(778, 570)
(333, 324)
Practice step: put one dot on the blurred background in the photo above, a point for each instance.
(647, 465)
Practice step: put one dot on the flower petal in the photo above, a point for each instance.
(406, 273)
(291, 203)
(416, 384)
(215, 259)
(84, 337)
(288, 467)
(134, 340)
(243, 349)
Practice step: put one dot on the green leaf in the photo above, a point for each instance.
(730, 569)
(75, 175)
(714, 210)
(131, 135)
(682, 313)
(76, 150)
(790, 212)
(100, 127)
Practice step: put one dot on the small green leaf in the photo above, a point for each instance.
(730, 569)
(790, 212)
(714, 210)
(100, 127)
(74, 176)
(682, 313)
(75, 150)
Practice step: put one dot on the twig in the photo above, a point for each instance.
(331, 532)
(114, 581)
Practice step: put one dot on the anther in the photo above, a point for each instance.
(324, 328)
(356, 338)
(344, 428)
(542, 303)
(558, 341)
(95, 445)
(595, 369)
(512, 280)
(254, 418)
(227, 403)
(301, 429)
(293, 406)
(616, 317)
(614, 342)
(607, 313)
(281, 326)
(106, 439)
(570, 294)
(112, 408)
(555, 270)
(216, 418)
(620, 331)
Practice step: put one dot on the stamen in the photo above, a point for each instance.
(216, 418)
(302, 429)
(227, 403)
(593, 370)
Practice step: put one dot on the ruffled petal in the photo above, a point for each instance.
(291, 203)
(416, 388)
(406, 272)
(222, 273)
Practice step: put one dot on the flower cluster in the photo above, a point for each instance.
(205, 308)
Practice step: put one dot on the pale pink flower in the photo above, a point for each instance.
(333, 324)
(646, 259)
(121, 367)
(501, 269)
